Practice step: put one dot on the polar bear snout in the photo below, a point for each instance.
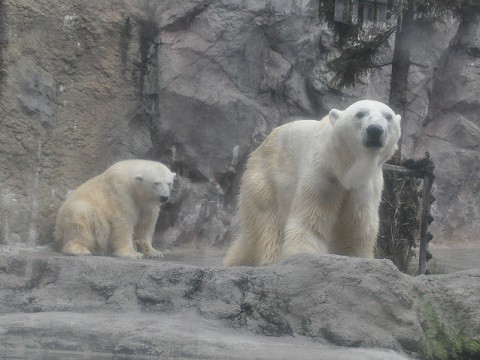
(163, 194)
(163, 198)
(374, 136)
(162, 189)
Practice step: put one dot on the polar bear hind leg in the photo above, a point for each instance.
(78, 238)
(260, 239)
(261, 248)
(239, 253)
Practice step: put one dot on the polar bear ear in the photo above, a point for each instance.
(174, 175)
(139, 177)
(334, 115)
(399, 118)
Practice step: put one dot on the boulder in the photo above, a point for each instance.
(101, 304)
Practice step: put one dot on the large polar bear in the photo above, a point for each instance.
(111, 211)
(315, 186)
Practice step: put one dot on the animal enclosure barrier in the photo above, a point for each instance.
(364, 12)
(394, 214)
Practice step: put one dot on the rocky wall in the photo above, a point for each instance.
(451, 132)
(197, 85)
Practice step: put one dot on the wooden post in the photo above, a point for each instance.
(421, 169)
(425, 215)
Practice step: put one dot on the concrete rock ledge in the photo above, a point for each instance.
(336, 306)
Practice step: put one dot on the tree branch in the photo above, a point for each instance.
(376, 66)
(419, 65)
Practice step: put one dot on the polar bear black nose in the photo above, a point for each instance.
(163, 198)
(374, 132)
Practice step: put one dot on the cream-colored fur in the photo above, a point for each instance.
(315, 187)
(111, 211)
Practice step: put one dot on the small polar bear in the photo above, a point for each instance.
(114, 210)
(315, 186)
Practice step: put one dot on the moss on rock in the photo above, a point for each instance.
(445, 342)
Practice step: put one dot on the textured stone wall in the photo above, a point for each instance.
(69, 105)
(452, 134)
(197, 85)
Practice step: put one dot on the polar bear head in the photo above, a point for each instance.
(154, 182)
(368, 126)
(370, 131)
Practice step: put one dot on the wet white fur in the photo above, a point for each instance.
(314, 187)
(111, 211)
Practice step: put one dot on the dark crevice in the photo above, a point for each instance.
(105, 291)
(334, 338)
(148, 32)
(145, 75)
(184, 21)
(240, 318)
(171, 210)
(274, 325)
(473, 51)
(42, 274)
(314, 98)
(463, 107)
(150, 303)
(195, 285)
(264, 309)
(125, 39)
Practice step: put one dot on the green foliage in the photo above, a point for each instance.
(346, 33)
(354, 62)
(359, 55)
(306, 325)
(445, 343)
(436, 8)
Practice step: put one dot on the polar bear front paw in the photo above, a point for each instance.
(74, 249)
(128, 254)
(153, 253)
(149, 251)
(135, 255)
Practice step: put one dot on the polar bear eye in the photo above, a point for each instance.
(388, 117)
(156, 182)
(360, 114)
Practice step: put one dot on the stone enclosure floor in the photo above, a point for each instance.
(446, 259)
(179, 334)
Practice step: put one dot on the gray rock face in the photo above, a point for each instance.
(101, 304)
(38, 91)
(220, 80)
(198, 85)
(452, 135)
(168, 336)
